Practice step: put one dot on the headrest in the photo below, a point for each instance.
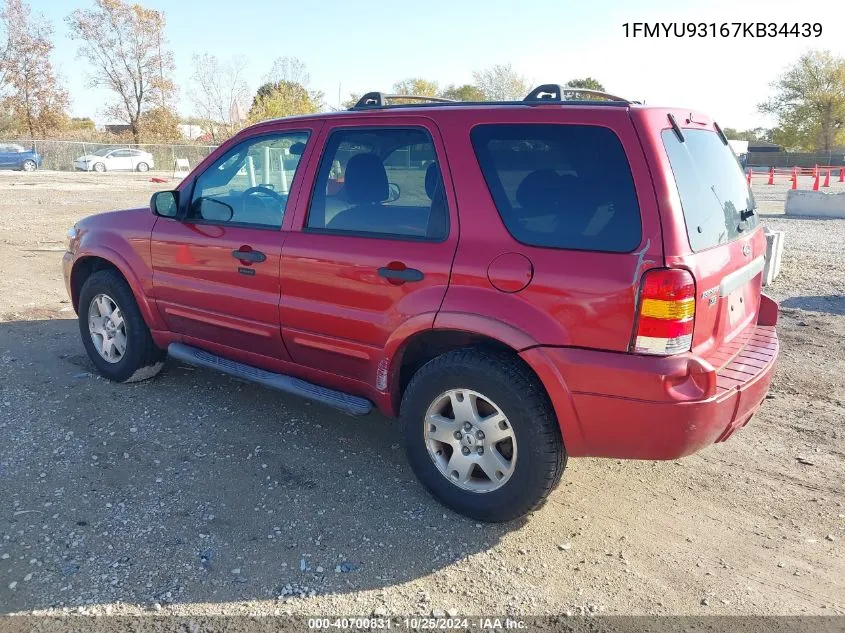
(366, 179)
(432, 180)
(538, 189)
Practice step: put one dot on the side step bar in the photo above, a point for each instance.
(337, 399)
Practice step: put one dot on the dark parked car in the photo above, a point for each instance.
(14, 156)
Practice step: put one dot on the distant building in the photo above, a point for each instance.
(118, 128)
(763, 146)
(190, 131)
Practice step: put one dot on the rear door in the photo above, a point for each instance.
(714, 231)
(374, 247)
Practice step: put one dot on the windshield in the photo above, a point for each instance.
(717, 203)
(103, 151)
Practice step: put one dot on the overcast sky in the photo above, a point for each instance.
(362, 46)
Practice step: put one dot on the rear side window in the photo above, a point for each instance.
(380, 182)
(715, 197)
(561, 186)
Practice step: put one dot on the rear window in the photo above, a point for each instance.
(715, 196)
(560, 186)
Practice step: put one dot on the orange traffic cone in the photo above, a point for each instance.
(771, 176)
(827, 179)
(842, 174)
(749, 177)
(816, 182)
(794, 179)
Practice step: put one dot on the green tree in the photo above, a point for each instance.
(125, 47)
(758, 134)
(351, 101)
(416, 86)
(466, 92)
(501, 83)
(588, 82)
(809, 103)
(284, 98)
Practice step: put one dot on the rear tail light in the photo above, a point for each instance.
(666, 312)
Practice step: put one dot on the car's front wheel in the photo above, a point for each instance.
(481, 434)
(113, 330)
(143, 167)
(29, 165)
(99, 167)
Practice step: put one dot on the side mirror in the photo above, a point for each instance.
(393, 192)
(165, 204)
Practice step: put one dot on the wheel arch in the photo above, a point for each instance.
(87, 264)
(426, 344)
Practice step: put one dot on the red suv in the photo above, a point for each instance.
(518, 282)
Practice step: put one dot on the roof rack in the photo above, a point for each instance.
(379, 100)
(545, 93)
(556, 92)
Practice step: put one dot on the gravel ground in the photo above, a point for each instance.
(196, 494)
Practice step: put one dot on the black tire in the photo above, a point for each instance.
(541, 456)
(29, 165)
(142, 167)
(142, 358)
(99, 167)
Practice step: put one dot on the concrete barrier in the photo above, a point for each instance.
(774, 255)
(815, 204)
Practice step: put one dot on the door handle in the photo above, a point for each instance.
(401, 275)
(249, 256)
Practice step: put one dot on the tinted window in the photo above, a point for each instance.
(714, 193)
(383, 182)
(560, 186)
(249, 184)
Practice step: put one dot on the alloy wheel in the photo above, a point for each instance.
(470, 440)
(107, 328)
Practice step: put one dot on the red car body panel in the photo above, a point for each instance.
(576, 298)
(318, 310)
(336, 311)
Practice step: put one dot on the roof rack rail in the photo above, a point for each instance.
(380, 99)
(556, 92)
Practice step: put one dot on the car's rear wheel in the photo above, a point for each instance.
(29, 165)
(99, 167)
(143, 167)
(481, 434)
(113, 331)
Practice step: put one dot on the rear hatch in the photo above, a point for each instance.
(715, 211)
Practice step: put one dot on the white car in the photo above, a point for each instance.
(110, 159)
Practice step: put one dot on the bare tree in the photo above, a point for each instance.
(217, 91)
(288, 69)
(34, 96)
(126, 49)
(501, 83)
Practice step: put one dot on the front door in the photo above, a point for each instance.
(216, 265)
(374, 247)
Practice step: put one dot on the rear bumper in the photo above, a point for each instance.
(638, 407)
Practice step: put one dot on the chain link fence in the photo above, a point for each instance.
(60, 155)
(796, 159)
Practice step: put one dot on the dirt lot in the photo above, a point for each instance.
(196, 494)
